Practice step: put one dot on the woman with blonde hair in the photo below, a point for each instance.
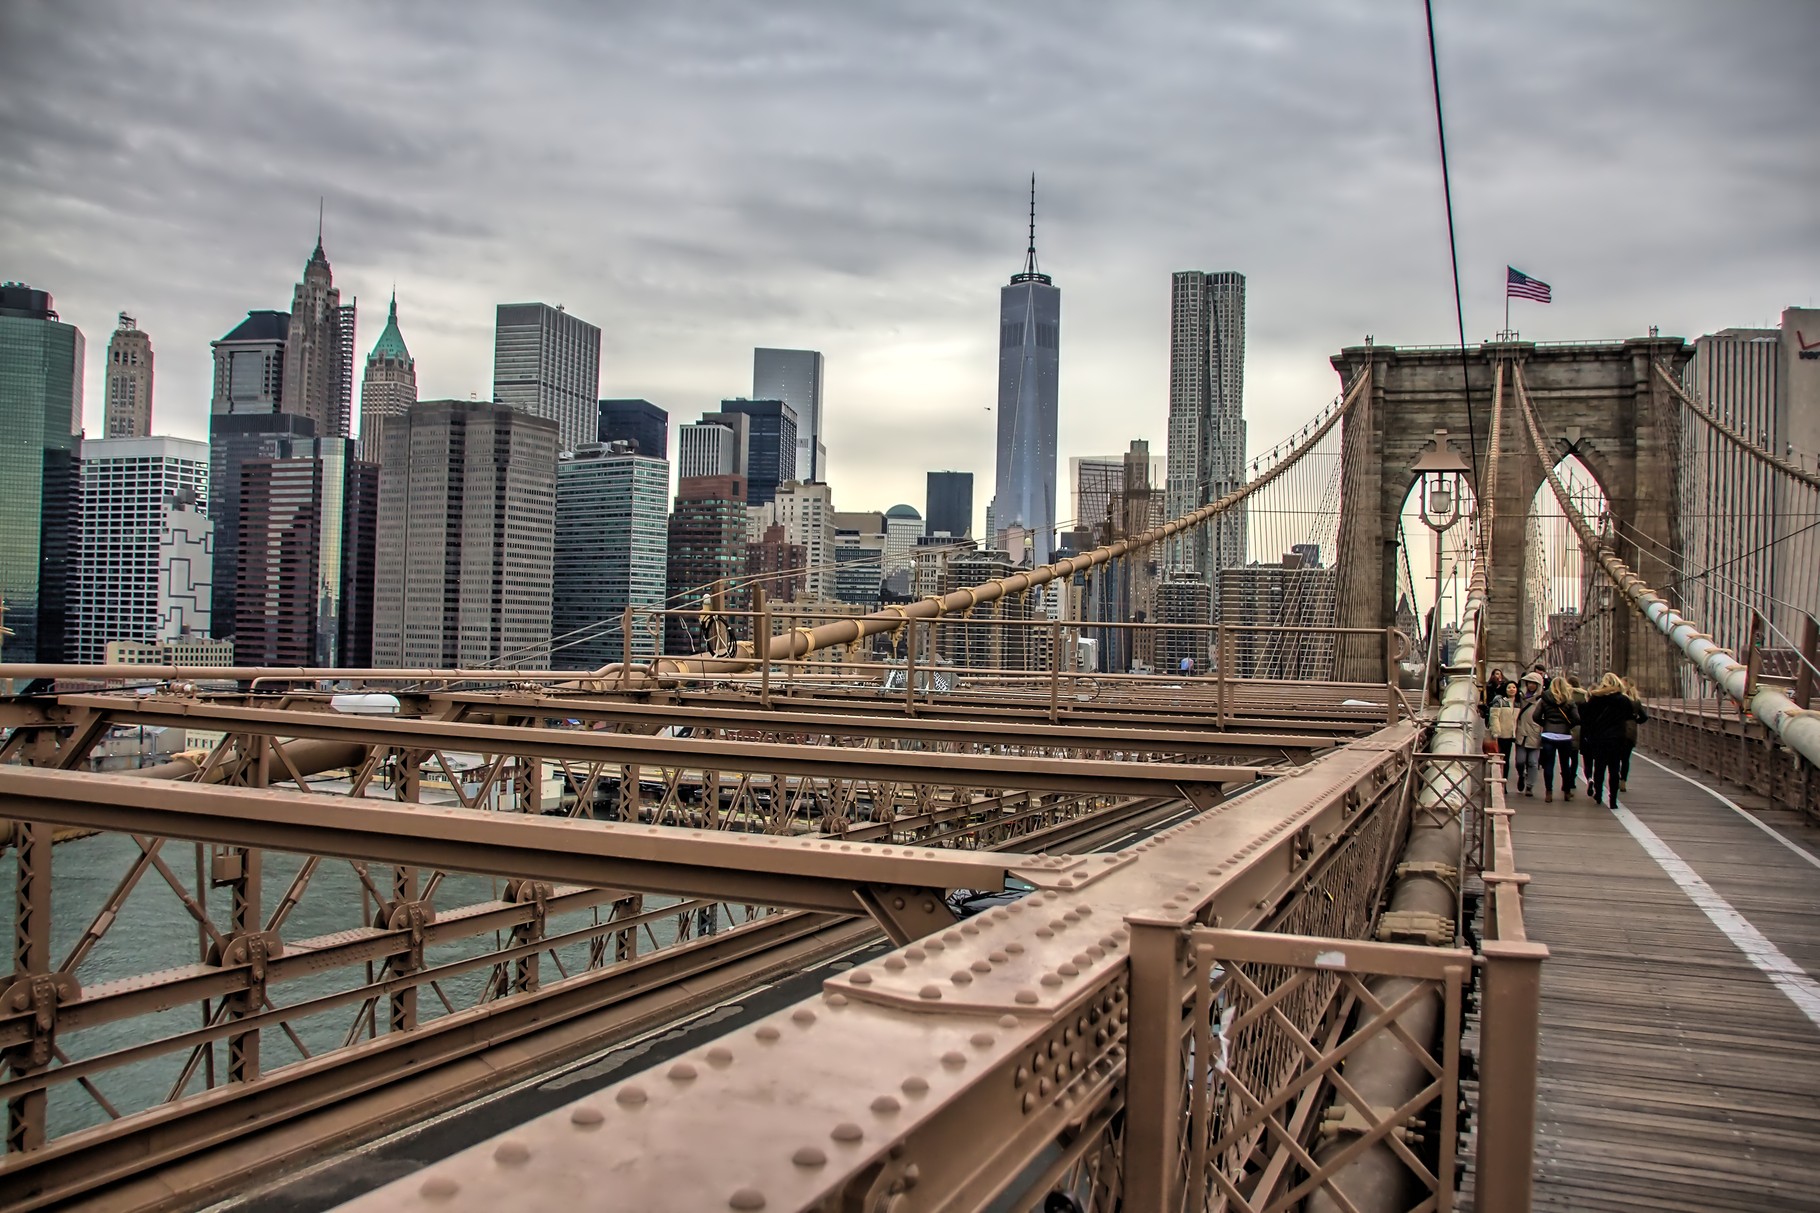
(1557, 716)
(1630, 732)
(1607, 710)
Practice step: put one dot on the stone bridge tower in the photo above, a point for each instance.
(1597, 400)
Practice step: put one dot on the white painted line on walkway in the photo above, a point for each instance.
(1744, 813)
(1788, 976)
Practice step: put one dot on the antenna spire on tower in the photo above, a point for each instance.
(1030, 253)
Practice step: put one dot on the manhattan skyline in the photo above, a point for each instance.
(163, 163)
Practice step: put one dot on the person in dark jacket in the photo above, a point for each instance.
(1630, 733)
(1495, 686)
(1557, 715)
(1602, 719)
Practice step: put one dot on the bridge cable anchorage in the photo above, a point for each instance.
(857, 628)
(1798, 728)
(1786, 467)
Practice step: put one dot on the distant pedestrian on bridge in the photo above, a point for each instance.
(1640, 716)
(1528, 732)
(1501, 713)
(1558, 718)
(1602, 724)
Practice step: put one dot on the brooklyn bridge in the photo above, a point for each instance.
(828, 919)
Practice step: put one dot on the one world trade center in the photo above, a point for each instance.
(1029, 322)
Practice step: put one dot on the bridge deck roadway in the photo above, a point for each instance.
(1680, 1041)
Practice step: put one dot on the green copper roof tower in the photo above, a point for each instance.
(389, 388)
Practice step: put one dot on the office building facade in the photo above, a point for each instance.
(129, 382)
(388, 389)
(707, 546)
(146, 548)
(1206, 416)
(1291, 593)
(249, 365)
(467, 518)
(41, 361)
(303, 586)
(714, 446)
(612, 544)
(1748, 525)
(806, 512)
(771, 446)
(949, 504)
(638, 422)
(546, 363)
(235, 438)
(319, 351)
(795, 377)
(1029, 349)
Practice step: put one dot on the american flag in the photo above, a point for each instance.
(1518, 285)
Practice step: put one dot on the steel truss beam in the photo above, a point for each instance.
(951, 1070)
(1192, 780)
(847, 723)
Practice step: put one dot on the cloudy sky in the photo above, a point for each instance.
(700, 178)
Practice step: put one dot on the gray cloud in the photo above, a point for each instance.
(701, 178)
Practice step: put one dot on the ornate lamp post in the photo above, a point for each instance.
(1441, 473)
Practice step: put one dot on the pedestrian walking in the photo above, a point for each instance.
(1528, 732)
(1558, 718)
(1495, 686)
(1607, 710)
(1501, 713)
(1640, 716)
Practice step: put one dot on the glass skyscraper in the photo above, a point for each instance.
(40, 417)
(612, 548)
(771, 446)
(1029, 322)
(795, 377)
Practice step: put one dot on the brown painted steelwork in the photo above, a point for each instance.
(942, 1072)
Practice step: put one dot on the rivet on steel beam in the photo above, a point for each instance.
(961, 977)
(1044, 933)
(1081, 958)
(1044, 1086)
(1021, 1077)
(1007, 1020)
(1026, 996)
(1095, 952)
(934, 945)
(846, 1130)
(746, 1198)
(916, 1084)
(586, 1116)
(1029, 1102)
(930, 991)
(768, 1033)
(970, 929)
(998, 957)
(1052, 979)
(885, 1105)
(914, 954)
(1058, 924)
(860, 978)
(981, 966)
(982, 1040)
(631, 1097)
(951, 936)
(898, 903)
(953, 1060)
(835, 998)
(682, 1071)
(1108, 942)
(810, 1156)
(438, 1187)
(803, 1016)
(512, 1154)
(1014, 947)
(894, 963)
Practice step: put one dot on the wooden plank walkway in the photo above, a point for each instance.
(1674, 1075)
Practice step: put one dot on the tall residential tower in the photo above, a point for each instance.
(129, 381)
(1029, 322)
(1206, 416)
